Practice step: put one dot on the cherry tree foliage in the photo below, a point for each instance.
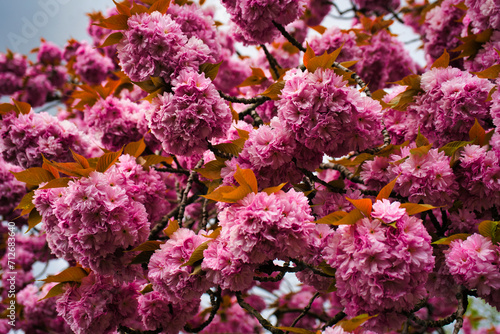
(185, 183)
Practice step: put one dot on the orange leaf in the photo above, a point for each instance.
(274, 90)
(112, 39)
(332, 218)
(173, 225)
(115, 22)
(136, 148)
(246, 177)
(160, 6)
(414, 208)
(443, 61)
(364, 205)
(22, 107)
(386, 190)
(477, 133)
(72, 274)
(34, 175)
(210, 70)
(107, 160)
(80, 159)
(272, 190)
(308, 55)
(150, 245)
(33, 219)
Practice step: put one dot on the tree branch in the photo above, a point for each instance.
(234, 99)
(305, 311)
(264, 322)
(272, 61)
(215, 307)
(182, 205)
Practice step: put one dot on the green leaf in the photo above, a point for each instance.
(34, 176)
(450, 148)
(107, 160)
(448, 240)
(325, 267)
(146, 289)
(150, 245)
(489, 229)
(210, 70)
(71, 274)
(414, 208)
(421, 151)
(421, 140)
(135, 148)
(197, 254)
(56, 290)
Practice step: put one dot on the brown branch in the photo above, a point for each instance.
(289, 37)
(263, 321)
(243, 100)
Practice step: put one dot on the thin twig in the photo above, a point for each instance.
(172, 170)
(215, 307)
(463, 302)
(305, 311)
(339, 316)
(251, 111)
(264, 322)
(272, 61)
(289, 37)
(189, 184)
(161, 225)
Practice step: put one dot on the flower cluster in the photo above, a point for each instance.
(13, 67)
(257, 229)
(116, 122)
(11, 190)
(99, 305)
(478, 175)
(93, 220)
(377, 5)
(484, 14)
(475, 263)
(25, 137)
(254, 19)
(451, 100)
(167, 274)
(381, 268)
(325, 115)
(194, 113)
(154, 45)
(90, 65)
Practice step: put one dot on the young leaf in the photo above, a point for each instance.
(229, 148)
(448, 240)
(272, 190)
(450, 148)
(421, 151)
(295, 330)
(218, 194)
(421, 140)
(489, 229)
(477, 133)
(71, 274)
(364, 205)
(386, 190)
(26, 202)
(151, 160)
(491, 72)
(258, 77)
(122, 9)
(22, 107)
(33, 219)
(115, 22)
(57, 183)
(173, 225)
(211, 170)
(34, 175)
(150, 245)
(56, 290)
(210, 70)
(136, 148)
(112, 39)
(332, 218)
(274, 90)
(414, 208)
(160, 5)
(80, 159)
(246, 177)
(142, 257)
(107, 160)
(197, 254)
(309, 54)
(443, 61)
(352, 324)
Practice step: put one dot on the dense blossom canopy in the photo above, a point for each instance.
(263, 170)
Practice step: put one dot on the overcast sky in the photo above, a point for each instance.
(24, 22)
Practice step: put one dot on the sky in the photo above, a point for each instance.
(24, 22)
